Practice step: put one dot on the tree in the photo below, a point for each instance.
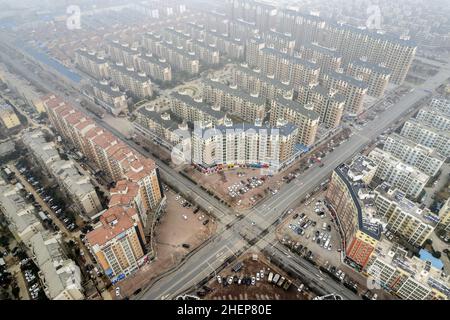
(15, 292)
(4, 241)
(436, 254)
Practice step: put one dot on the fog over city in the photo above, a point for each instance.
(225, 150)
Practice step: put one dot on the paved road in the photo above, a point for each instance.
(230, 241)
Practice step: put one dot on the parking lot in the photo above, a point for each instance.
(252, 278)
(310, 227)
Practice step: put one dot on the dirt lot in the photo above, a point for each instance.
(285, 230)
(172, 232)
(262, 290)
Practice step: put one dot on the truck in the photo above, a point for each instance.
(327, 243)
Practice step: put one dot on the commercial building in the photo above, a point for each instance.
(91, 63)
(327, 59)
(423, 158)
(352, 205)
(329, 104)
(376, 76)
(76, 186)
(398, 174)
(428, 136)
(248, 107)
(243, 145)
(8, 117)
(128, 79)
(302, 116)
(254, 82)
(409, 278)
(354, 90)
(110, 97)
(195, 110)
(404, 217)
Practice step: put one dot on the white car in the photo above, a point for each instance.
(184, 217)
(117, 291)
(219, 279)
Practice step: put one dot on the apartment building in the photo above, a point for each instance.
(329, 104)
(179, 58)
(123, 53)
(243, 145)
(404, 217)
(161, 126)
(434, 117)
(207, 53)
(195, 110)
(246, 106)
(376, 76)
(117, 242)
(423, 134)
(129, 80)
(409, 278)
(352, 43)
(302, 116)
(77, 187)
(398, 174)
(20, 215)
(158, 69)
(60, 276)
(253, 47)
(8, 117)
(352, 205)
(441, 104)
(110, 97)
(328, 59)
(234, 48)
(106, 151)
(286, 68)
(354, 90)
(305, 28)
(242, 29)
(255, 83)
(422, 158)
(91, 63)
(283, 42)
